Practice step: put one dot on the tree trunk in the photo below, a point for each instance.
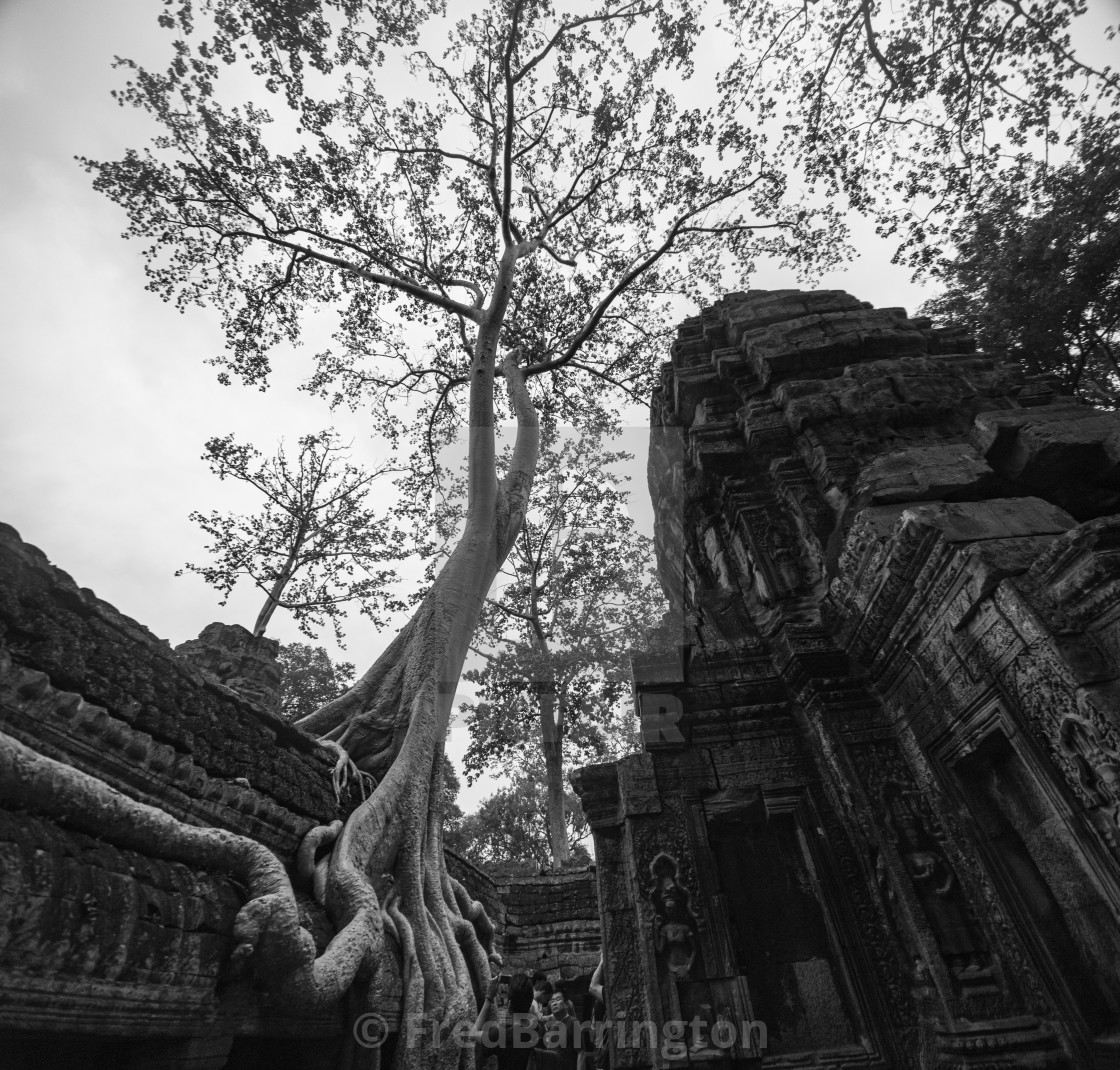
(552, 734)
(554, 785)
(272, 600)
(392, 724)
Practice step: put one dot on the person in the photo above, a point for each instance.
(596, 1050)
(542, 992)
(559, 1045)
(504, 1026)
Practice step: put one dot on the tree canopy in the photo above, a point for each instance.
(535, 177)
(509, 833)
(313, 544)
(1039, 272)
(309, 679)
(913, 111)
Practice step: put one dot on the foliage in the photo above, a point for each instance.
(312, 545)
(508, 834)
(576, 594)
(548, 140)
(310, 679)
(913, 110)
(1040, 272)
(452, 811)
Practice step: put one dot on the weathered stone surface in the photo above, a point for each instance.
(85, 646)
(551, 923)
(96, 939)
(101, 942)
(900, 672)
(921, 473)
(240, 660)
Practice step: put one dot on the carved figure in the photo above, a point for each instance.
(674, 926)
(1097, 764)
(935, 884)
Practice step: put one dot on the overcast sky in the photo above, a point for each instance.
(105, 397)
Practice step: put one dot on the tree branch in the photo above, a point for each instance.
(403, 285)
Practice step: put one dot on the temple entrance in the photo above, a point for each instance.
(779, 934)
(1020, 832)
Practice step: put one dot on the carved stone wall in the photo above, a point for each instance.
(124, 954)
(551, 924)
(112, 958)
(880, 805)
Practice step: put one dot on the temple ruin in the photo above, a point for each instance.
(876, 822)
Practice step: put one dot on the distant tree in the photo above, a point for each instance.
(312, 546)
(452, 811)
(576, 594)
(1039, 274)
(913, 110)
(309, 679)
(509, 832)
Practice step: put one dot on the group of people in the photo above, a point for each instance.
(530, 1024)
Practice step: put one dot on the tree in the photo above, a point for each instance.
(1040, 272)
(913, 111)
(509, 833)
(576, 594)
(452, 811)
(499, 237)
(311, 547)
(310, 679)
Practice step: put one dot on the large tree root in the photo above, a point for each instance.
(267, 927)
(440, 938)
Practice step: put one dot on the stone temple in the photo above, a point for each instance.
(876, 822)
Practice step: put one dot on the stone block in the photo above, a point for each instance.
(920, 473)
(1041, 445)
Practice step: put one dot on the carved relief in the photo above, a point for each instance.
(935, 884)
(877, 940)
(915, 831)
(1097, 768)
(921, 981)
(674, 925)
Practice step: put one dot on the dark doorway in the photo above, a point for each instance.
(1011, 814)
(779, 935)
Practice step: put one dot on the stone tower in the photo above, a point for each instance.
(877, 820)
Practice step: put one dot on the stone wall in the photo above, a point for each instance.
(880, 801)
(551, 924)
(97, 940)
(110, 957)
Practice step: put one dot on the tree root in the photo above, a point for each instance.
(312, 867)
(442, 935)
(266, 929)
(345, 770)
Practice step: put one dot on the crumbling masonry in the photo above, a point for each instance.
(879, 808)
(878, 813)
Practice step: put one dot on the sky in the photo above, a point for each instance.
(105, 396)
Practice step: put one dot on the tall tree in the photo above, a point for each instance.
(576, 594)
(310, 679)
(1039, 273)
(913, 110)
(533, 187)
(311, 546)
